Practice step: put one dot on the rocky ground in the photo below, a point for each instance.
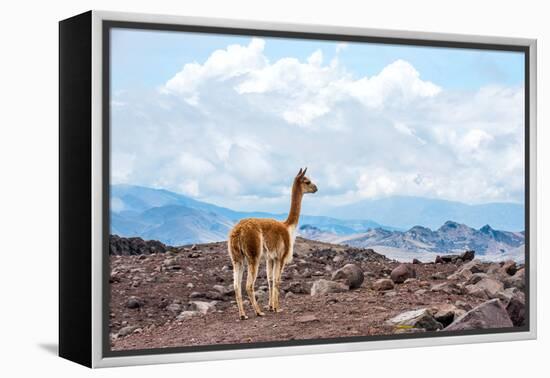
(163, 296)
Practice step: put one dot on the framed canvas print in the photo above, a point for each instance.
(232, 189)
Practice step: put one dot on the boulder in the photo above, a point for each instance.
(124, 331)
(517, 280)
(438, 276)
(468, 255)
(416, 319)
(446, 313)
(509, 267)
(416, 261)
(474, 266)
(507, 294)
(449, 258)
(490, 314)
(261, 296)
(383, 284)
(448, 288)
(202, 307)
(467, 270)
(402, 272)
(475, 278)
(134, 302)
(350, 274)
(174, 307)
(490, 286)
(321, 287)
(296, 287)
(214, 295)
(476, 291)
(185, 315)
(493, 269)
(516, 310)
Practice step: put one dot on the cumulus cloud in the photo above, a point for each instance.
(235, 128)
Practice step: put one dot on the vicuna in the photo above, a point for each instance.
(254, 238)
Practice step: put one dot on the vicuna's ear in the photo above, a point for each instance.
(304, 172)
(299, 173)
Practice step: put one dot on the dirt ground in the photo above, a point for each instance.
(148, 292)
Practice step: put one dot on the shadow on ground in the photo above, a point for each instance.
(51, 348)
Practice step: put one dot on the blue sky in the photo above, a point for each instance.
(229, 119)
(145, 59)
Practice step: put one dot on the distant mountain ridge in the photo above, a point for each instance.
(405, 212)
(176, 219)
(450, 237)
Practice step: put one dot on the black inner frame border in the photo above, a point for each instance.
(108, 25)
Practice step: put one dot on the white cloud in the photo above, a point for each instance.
(341, 46)
(222, 65)
(246, 124)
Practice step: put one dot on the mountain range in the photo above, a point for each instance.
(176, 219)
(451, 237)
(405, 212)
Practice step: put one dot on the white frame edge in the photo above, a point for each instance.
(97, 197)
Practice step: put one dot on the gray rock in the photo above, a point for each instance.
(416, 319)
(214, 295)
(446, 313)
(402, 272)
(474, 266)
(202, 307)
(307, 319)
(476, 291)
(517, 280)
(492, 287)
(124, 331)
(383, 284)
(134, 302)
(468, 255)
(490, 314)
(261, 296)
(350, 274)
(321, 287)
(174, 307)
(447, 287)
(220, 289)
(185, 315)
(516, 310)
(509, 267)
(507, 294)
(438, 276)
(475, 278)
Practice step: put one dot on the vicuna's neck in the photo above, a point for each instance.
(295, 205)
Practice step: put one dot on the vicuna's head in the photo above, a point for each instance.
(304, 182)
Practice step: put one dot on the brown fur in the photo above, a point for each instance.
(255, 238)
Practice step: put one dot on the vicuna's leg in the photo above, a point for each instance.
(269, 274)
(238, 269)
(250, 281)
(277, 272)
